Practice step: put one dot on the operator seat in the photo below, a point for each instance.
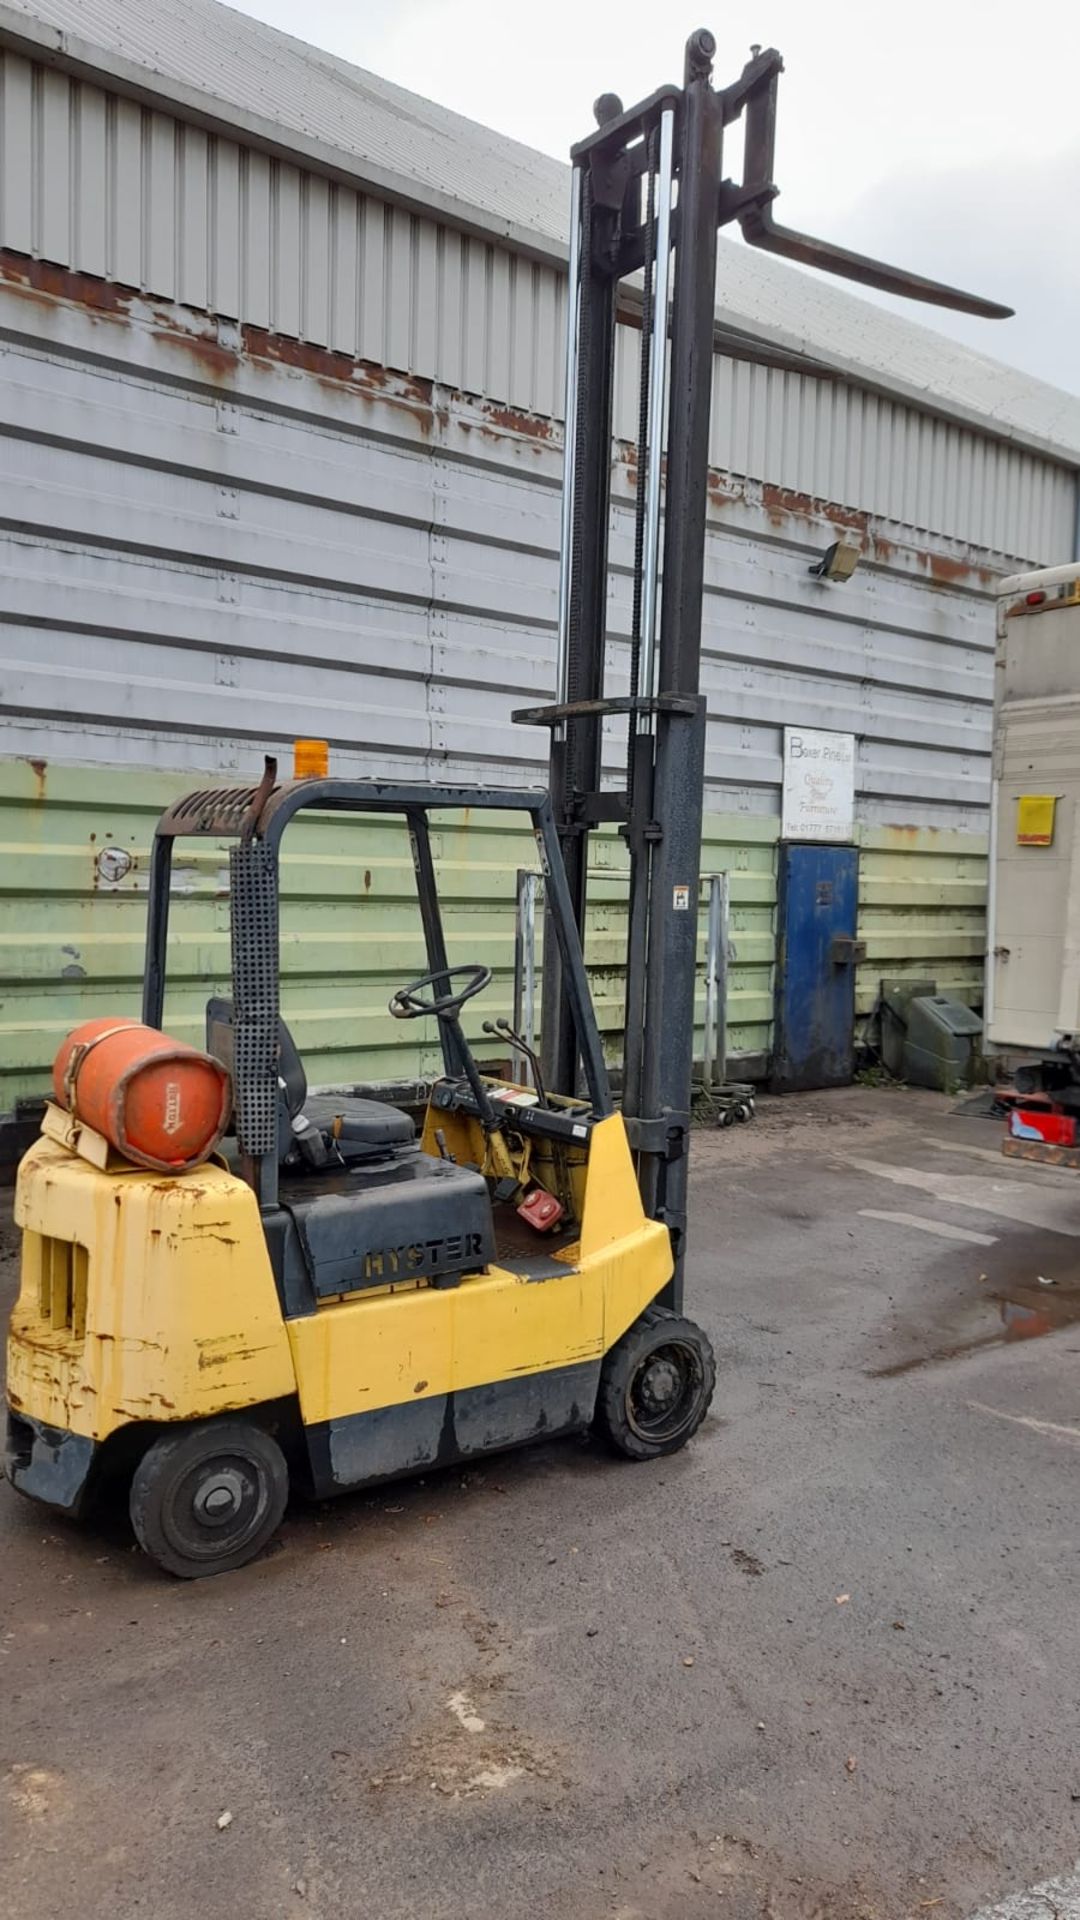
(321, 1126)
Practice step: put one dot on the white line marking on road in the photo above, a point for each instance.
(1059, 1176)
(941, 1227)
(1028, 1420)
(1051, 1208)
(973, 1153)
(1050, 1900)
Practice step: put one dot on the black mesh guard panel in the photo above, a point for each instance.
(253, 888)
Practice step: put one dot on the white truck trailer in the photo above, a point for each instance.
(1032, 1000)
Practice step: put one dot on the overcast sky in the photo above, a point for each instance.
(943, 134)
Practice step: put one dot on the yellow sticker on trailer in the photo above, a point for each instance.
(1035, 819)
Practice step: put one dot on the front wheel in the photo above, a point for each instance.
(655, 1385)
(208, 1498)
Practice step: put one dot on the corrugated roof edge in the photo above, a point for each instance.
(35, 38)
(1020, 424)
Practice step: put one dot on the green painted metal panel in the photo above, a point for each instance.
(922, 910)
(73, 878)
(72, 923)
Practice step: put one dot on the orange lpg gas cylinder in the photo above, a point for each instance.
(161, 1104)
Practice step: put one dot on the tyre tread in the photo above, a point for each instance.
(147, 1482)
(610, 1418)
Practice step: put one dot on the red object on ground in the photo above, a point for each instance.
(1008, 1097)
(541, 1210)
(1034, 1123)
(160, 1103)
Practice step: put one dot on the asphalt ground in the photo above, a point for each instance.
(823, 1665)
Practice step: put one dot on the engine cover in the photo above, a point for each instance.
(414, 1216)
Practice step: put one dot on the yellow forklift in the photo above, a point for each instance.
(333, 1301)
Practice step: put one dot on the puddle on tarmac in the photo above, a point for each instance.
(1037, 1310)
(1008, 1302)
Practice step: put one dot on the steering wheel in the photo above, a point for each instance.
(406, 1003)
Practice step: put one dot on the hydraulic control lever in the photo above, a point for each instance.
(502, 1030)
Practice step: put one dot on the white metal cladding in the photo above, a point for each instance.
(845, 444)
(194, 567)
(223, 70)
(109, 188)
(253, 74)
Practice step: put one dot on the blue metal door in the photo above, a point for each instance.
(814, 1042)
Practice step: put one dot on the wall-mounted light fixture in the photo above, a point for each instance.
(838, 562)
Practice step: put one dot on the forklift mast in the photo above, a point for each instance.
(647, 199)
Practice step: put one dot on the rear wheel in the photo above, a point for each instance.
(655, 1385)
(207, 1499)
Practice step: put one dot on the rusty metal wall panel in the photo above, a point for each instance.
(210, 543)
(96, 183)
(195, 59)
(92, 182)
(205, 548)
(865, 453)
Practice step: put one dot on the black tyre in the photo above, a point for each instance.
(208, 1498)
(655, 1385)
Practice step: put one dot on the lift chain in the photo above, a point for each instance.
(575, 769)
(647, 321)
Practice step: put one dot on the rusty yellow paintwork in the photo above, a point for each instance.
(560, 1167)
(146, 1297)
(378, 1350)
(180, 1316)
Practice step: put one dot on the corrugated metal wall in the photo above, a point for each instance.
(922, 910)
(834, 442)
(204, 551)
(306, 481)
(106, 187)
(72, 923)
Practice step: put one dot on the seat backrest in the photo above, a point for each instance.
(219, 1042)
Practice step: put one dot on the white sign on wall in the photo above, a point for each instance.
(819, 785)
